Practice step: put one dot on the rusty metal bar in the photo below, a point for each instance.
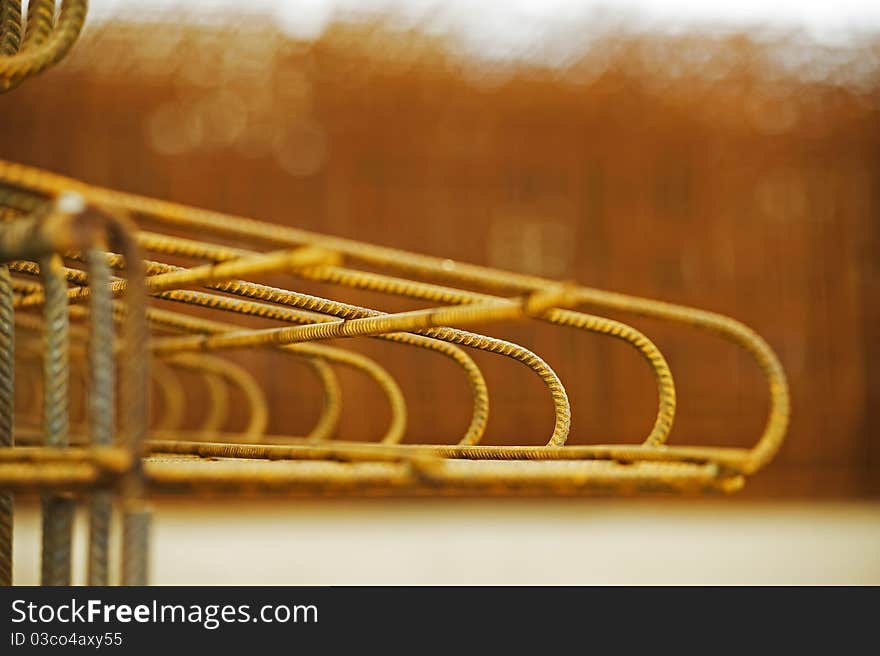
(102, 411)
(7, 413)
(57, 510)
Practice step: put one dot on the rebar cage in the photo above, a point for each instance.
(80, 267)
(64, 242)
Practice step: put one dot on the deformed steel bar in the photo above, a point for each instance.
(310, 353)
(268, 263)
(10, 27)
(40, 21)
(412, 476)
(434, 476)
(237, 376)
(7, 415)
(733, 460)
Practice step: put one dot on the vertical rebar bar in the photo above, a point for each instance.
(135, 403)
(101, 408)
(7, 410)
(136, 521)
(57, 510)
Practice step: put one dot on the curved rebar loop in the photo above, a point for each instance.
(218, 405)
(313, 352)
(331, 402)
(270, 263)
(480, 412)
(236, 376)
(173, 396)
(7, 415)
(425, 291)
(218, 393)
(10, 27)
(249, 229)
(735, 331)
(385, 284)
(43, 45)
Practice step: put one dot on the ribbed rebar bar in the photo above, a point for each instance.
(44, 45)
(10, 27)
(7, 413)
(269, 263)
(57, 511)
(136, 528)
(134, 397)
(40, 21)
(101, 408)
